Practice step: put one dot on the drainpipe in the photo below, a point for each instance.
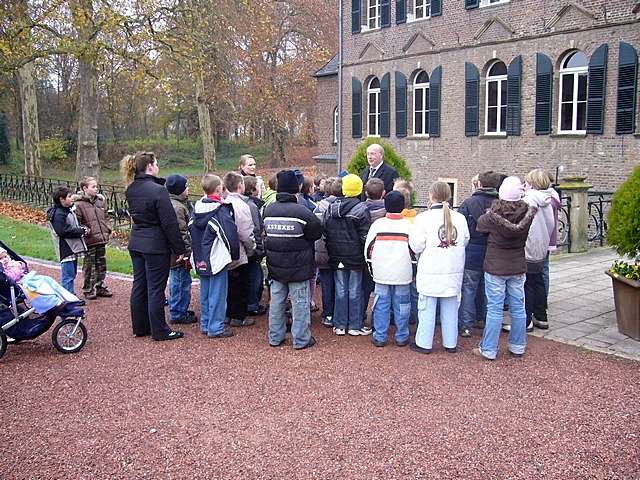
(340, 45)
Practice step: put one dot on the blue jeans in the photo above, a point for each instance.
(256, 284)
(496, 287)
(427, 321)
(213, 302)
(468, 312)
(179, 293)
(414, 302)
(368, 286)
(347, 313)
(397, 297)
(68, 271)
(301, 327)
(545, 275)
(327, 284)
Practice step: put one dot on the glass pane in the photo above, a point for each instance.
(582, 116)
(427, 10)
(419, 12)
(492, 95)
(492, 119)
(373, 104)
(582, 87)
(422, 77)
(418, 99)
(417, 127)
(503, 93)
(498, 68)
(426, 122)
(576, 59)
(566, 116)
(375, 83)
(419, 3)
(503, 119)
(372, 125)
(426, 99)
(567, 87)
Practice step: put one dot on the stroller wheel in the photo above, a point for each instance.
(3, 342)
(68, 338)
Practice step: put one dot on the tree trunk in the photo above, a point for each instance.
(30, 129)
(204, 120)
(277, 144)
(87, 163)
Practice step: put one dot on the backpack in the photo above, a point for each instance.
(216, 243)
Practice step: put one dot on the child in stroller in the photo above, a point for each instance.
(20, 321)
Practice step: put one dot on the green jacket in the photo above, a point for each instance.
(269, 196)
(183, 212)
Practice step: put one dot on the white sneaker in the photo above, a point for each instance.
(338, 331)
(362, 331)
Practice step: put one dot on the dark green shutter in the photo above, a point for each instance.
(435, 85)
(355, 16)
(514, 96)
(436, 8)
(544, 89)
(627, 84)
(356, 108)
(401, 11)
(469, 4)
(471, 99)
(596, 91)
(385, 13)
(384, 105)
(401, 105)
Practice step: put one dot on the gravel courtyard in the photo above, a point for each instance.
(129, 408)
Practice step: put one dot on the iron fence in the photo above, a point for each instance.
(599, 204)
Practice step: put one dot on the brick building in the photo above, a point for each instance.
(459, 87)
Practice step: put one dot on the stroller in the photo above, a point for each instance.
(20, 321)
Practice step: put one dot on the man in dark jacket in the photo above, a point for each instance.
(291, 230)
(473, 304)
(346, 224)
(67, 236)
(377, 168)
(507, 224)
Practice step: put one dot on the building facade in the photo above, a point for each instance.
(459, 87)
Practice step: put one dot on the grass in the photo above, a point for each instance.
(183, 157)
(35, 241)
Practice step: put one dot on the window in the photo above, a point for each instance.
(335, 125)
(453, 186)
(496, 99)
(572, 115)
(421, 104)
(488, 3)
(373, 95)
(422, 9)
(373, 14)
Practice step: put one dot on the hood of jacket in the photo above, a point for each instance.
(538, 198)
(51, 212)
(83, 197)
(342, 206)
(202, 211)
(511, 218)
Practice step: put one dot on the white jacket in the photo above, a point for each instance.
(387, 251)
(542, 226)
(440, 267)
(244, 222)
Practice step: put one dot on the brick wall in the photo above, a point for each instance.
(326, 102)
(523, 27)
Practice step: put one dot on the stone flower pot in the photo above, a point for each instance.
(626, 296)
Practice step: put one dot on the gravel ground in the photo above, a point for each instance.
(128, 408)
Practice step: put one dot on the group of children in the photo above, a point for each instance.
(461, 268)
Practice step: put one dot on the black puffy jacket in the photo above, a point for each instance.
(291, 230)
(346, 224)
(155, 225)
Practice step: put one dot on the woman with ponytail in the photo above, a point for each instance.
(154, 236)
(439, 236)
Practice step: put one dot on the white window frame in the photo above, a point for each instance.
(491, 3)
(497, 79)
(426, 6)
(376, 98)
(335, 125)
(454, 193)
(576, 72)
(375, 5)
(424, 87)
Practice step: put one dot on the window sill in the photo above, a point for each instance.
(487, 5)
(418, 137)
(569, 135)
(416, 20)
(373, 136)
(492, 136)
(369, 30)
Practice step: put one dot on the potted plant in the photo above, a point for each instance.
(624, 235)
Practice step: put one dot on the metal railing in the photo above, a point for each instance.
(599, 204)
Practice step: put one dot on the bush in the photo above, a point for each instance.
(53, 149)
(623, 231)
(359, 161)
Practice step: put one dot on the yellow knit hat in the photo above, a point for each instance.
(351, 185)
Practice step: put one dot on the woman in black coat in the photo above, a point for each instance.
(154, 236)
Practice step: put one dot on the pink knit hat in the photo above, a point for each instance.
(511, 189)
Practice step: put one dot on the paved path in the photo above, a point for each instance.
(581, 309)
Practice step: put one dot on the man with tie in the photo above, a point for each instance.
(378, 169)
